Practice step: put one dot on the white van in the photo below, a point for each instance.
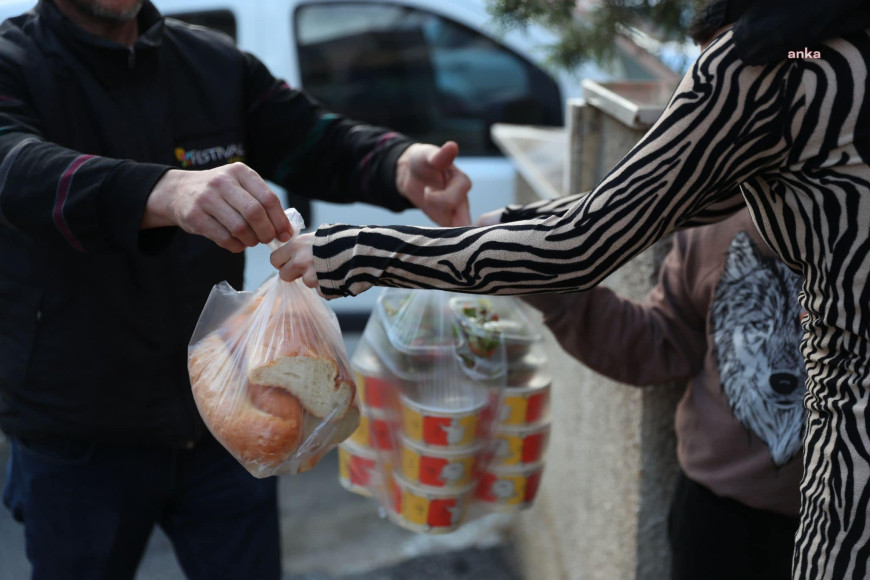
(432, 69)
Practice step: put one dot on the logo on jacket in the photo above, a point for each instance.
(756, 319)
(210, 157)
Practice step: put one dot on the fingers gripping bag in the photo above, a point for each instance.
(270, 374)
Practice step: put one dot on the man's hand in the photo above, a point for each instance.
(296, 260)
(426, 175)
(230, 205)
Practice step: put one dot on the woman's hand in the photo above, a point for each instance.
(295, 259)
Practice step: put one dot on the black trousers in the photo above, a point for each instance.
(714, 537)
(89, 510)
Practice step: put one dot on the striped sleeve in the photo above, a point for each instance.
(731, 203)
(604, 330)
(724, 125)
(542, 208)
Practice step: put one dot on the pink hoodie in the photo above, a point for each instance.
(725, 318)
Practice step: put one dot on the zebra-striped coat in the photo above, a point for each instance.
(795, 136)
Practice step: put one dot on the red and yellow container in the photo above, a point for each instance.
(441, 427)
(509, 489)
(437, 467)
(375, 390)
(376, 386)
(377, 430)
(361, 436)
(522, 405)
(358, 469)
(514, 446)
(428, 510)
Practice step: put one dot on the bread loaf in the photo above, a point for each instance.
(260, 426)
(287, 388)
(287, 358)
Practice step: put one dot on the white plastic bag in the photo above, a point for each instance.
(271, 376)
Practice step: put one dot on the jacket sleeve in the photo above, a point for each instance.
(660, 340)
(54, 193)
(295, 142)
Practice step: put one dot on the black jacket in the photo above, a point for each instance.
(97, 315)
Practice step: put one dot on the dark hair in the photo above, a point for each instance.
(765, 30)
(715, 15)
(701, 31)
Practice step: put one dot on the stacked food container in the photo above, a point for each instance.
(511, 471)
(454, 393)
(362, 469)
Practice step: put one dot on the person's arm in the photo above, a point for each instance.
(555, 207)
(297, 143)
(57, 194)
(93, 203)
(537, 209)
(641, 343)
(723, 126)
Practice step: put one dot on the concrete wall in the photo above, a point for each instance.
(601, 511)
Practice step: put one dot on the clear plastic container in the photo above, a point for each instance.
(412, 333)
(485, 323)
(496, 367)
(403, 366)
(417, 323)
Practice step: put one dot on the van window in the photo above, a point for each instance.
(222, 20)
(424, 75)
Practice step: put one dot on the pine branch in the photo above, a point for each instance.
(589, 35)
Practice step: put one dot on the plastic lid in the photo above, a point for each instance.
(417, 322)
(400, 364)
